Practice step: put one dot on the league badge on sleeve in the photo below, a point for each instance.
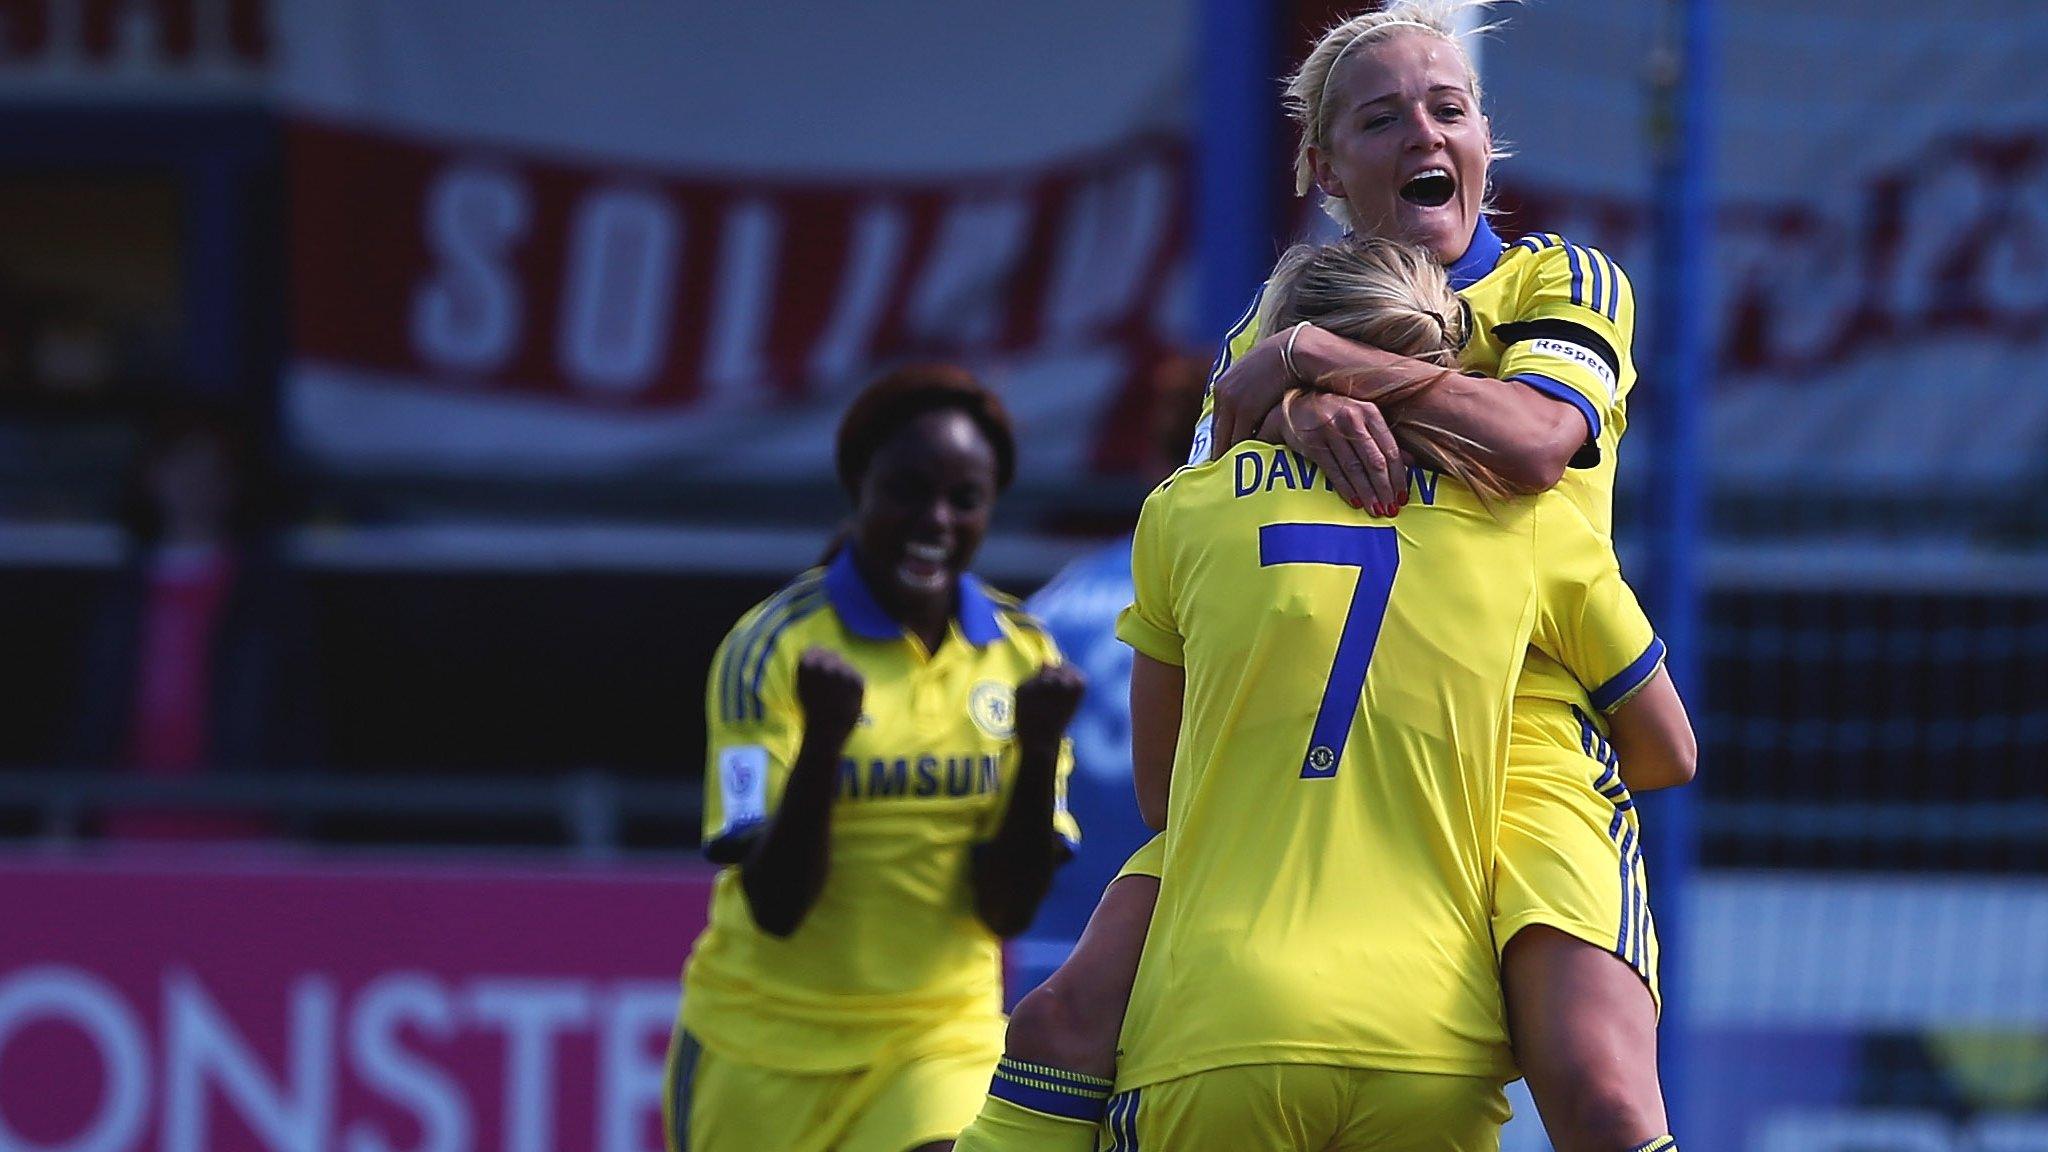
(743, 783)
(1198, 452)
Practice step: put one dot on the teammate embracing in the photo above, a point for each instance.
(1393, 136)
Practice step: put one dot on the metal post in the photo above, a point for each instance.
(1682, 139)
(1234, 192)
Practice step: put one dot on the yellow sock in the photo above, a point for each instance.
(1664, 1143)
(1037, 1108)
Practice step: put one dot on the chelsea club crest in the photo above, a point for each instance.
(993, 706)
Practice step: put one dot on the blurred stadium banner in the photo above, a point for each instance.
(1879, 258)
(281, 1005)
(222, 1007)
(525, 240)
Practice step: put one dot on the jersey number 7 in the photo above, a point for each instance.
(1376, 553)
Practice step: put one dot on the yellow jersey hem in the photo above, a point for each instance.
(1139, 1075)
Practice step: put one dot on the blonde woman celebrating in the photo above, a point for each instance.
(1394, 140)
(1322, 970)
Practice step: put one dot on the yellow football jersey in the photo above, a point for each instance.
(893, 941)
(1559, 317)
(1342, 751)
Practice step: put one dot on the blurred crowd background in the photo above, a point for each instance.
(398, 401)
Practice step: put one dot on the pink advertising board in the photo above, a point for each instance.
(203, 1005)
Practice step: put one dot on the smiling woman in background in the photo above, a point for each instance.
(884, 779)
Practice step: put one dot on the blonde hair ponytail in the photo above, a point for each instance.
(1397, 297)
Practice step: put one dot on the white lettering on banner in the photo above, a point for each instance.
(1117, 226)
(203, 1056)
(622, 266)
(878, 235)
(734, 367)
(468, 317)
(95, 1008)
(959, 300)
(530, 1012)
(202, 1047)
(631, 1069)
(545, 295)
(623, 254)
(1833, 274)
(1905, 256)
(1940, 214)
(385, 1006)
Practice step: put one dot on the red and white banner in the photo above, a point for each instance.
(1881, 264)
(190, 1007)
(526, 238)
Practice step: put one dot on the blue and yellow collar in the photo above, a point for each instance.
(1479, 258)
(864, 616)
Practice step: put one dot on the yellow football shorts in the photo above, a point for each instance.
(713, 1103)
(1571, 852)
(1308, 1108)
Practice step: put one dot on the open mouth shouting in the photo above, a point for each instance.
(923, 566)
(1430, 188)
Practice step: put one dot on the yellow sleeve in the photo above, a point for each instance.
(1149, 860)
(1588, 619)
(754, 727)
(1570, 333)
(1236, 343)
(1148, 623)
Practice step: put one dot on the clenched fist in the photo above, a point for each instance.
(829, 691)
(1046, 703)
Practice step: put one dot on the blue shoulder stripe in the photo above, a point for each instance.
(1613, 282)
(798, 609)
(1616, 282)
(1571, 254)
(1598, 269)
(743, 644)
